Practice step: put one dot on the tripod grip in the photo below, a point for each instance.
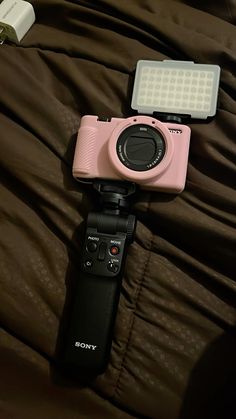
(97, 294)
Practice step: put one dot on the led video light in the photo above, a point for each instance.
(179, 87)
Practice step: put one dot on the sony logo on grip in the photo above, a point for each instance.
(85, 346)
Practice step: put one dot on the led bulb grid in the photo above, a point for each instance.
(176, 87)
(181, 89)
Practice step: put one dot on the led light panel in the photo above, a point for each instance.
(179, 87)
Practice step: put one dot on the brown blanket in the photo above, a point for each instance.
(174, 346)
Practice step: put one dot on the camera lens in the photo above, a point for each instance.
(140, 147)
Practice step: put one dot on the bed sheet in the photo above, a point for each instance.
(174, 346)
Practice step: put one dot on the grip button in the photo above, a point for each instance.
(92, 246)
(88, 263)
(112, 267)
(102, 251)
(114, 250)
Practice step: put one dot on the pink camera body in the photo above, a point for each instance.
(103, 151)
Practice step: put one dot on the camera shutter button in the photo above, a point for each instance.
(92, 246)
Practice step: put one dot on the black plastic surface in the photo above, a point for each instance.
(91, 329)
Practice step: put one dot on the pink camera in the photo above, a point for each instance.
(139, 149)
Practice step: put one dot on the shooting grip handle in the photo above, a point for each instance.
(97, 294)
(90, 333)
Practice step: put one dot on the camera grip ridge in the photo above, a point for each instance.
(85, 149)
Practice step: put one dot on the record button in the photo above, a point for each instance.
(114, 250)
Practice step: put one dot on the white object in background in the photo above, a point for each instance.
(16, 18)
(179, 87)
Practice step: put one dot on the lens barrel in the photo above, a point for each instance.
(140, 147)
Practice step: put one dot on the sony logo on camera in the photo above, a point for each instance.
(175, 131)
(85, 346)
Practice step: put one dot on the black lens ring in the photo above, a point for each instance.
(143, 139)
